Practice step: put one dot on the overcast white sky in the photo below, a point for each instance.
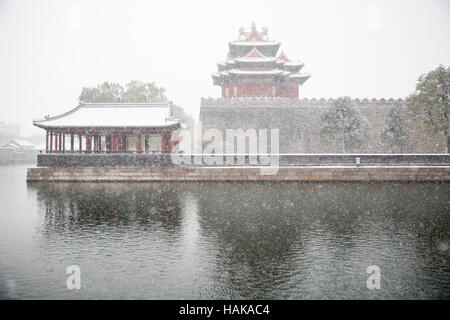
(49, 50)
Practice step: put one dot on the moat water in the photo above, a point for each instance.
(221, 241)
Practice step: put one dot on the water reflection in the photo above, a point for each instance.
(311, 240)
(71, 207)
(316, 240)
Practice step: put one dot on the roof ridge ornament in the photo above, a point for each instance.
(253, 35)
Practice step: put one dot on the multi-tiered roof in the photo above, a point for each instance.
(252, 68)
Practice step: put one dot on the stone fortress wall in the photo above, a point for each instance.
(298, 121)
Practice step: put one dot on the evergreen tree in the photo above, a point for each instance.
(396, 130)
(345, 124)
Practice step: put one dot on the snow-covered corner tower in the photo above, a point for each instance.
(253, 69)
(260, 90)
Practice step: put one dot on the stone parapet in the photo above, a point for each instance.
(199, 160)
(244, 174)
(282, 160)
(269, 101)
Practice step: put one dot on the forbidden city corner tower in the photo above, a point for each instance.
(253, 69)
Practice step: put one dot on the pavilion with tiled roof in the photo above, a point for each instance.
(253, 69)
(109, 128)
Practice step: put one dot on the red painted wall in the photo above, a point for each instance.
(254, 89)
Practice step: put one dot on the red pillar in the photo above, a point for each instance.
(46, 141)
(88, 143)
(127, 147)
(80, 140)
(113, 145)
(169, 141)
(51, 141)
(165, 142)
(138, 143)
(64, 142)
(71, 143)
(60, 142)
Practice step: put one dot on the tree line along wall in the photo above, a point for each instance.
(299, 123)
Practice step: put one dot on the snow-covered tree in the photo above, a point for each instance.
(396, 130)
(344, 123)
(430, 102)
(104, 92)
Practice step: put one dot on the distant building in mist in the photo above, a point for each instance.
(8, 131)
(19, 151)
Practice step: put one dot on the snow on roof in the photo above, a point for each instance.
(254, 53)
(256, 72)
(293, 63)
(264, 59)
(220, 74)
(283, 58)
(300, 75)
(112, 115)
(254, 43)
(255, 56)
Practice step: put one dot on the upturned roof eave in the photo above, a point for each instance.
(95, 127)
